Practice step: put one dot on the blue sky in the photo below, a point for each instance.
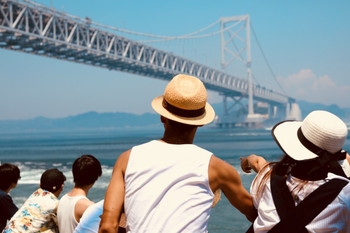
(306, 42)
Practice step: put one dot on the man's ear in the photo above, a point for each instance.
(163, 119)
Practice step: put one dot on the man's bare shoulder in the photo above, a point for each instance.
(218, 164)
(221, 173)
(84, 203)
(81, 206)
(125, 155)
(122, 161)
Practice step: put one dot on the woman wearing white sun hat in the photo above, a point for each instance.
(307, 190)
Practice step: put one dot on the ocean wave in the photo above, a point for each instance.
(57, 164)
(24, 181)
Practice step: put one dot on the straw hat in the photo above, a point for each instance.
(185, 101)
(320, 131)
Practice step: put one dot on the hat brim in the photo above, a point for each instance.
(204, 119)
(286, 136)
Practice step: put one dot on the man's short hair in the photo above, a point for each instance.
(86, 170)
(52, 180)
(181, 126)
(9, 174)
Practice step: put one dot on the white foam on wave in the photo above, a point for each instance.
(107, 171)
(30, 176)
(57, 164)
(101, 184)
(28, 181)
(19, 201)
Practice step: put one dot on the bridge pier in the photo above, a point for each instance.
(235, 113)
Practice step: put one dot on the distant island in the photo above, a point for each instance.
(121, 120)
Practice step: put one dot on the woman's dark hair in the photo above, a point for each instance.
(86, 170)
(9, 174)
(306, 170)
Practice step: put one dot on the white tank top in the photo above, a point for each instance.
(65, 213)
(167, 188)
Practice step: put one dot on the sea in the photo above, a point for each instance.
(34, 152)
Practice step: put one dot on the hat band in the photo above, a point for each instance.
(182, 112)
(340, 155)
(309, 145)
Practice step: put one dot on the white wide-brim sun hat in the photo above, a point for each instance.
(320, 130)
(185, 101)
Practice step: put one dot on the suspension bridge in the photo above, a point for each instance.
(32, 28)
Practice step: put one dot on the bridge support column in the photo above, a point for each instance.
(271, 111)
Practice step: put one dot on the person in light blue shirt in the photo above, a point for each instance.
(90, 220)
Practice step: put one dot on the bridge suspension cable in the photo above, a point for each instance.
(192, 35)
(267, 62)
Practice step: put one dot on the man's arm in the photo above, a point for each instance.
(114, 199)
(225, 177)
(254, 162)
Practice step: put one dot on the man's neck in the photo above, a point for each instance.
(174, 139)
(78, 191)
(176, 134)
(6, 190)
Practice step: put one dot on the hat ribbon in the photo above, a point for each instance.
(182, 112)
(340, 155)
(309, 145)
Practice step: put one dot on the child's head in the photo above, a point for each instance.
(86, 170)
(9, 175)
(52, 180)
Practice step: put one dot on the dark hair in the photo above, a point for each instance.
(86, 170)
(181, 126)
(52, 180)
(9, 174)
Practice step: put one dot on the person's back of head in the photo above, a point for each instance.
(9, 174)
(52, 180)
(86, 170)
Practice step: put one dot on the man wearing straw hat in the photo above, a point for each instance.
(168, 185)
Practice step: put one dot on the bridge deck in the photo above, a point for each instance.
(43, 31)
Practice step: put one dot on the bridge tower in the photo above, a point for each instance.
(236, 46)
(233, 29)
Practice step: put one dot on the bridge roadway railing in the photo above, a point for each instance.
(29, 27)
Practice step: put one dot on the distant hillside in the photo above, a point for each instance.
(307, 107)
(86, 121)
(119, 120)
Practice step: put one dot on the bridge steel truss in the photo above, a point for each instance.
(36, 29)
